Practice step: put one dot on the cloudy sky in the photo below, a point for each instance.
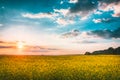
(81, 25)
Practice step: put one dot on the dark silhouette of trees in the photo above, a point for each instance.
(110, 50)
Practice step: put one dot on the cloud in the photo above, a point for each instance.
(1, 25)
(106, 33)
(83, 7)
(70, 34)
(2, 42)
(40, 15)
(61, 2)
(86, 7)
(6, 47)
(63, 17)
(61, 21)
(105, 7)
(84, 18)
(93, 35)
(39, 49)
(85, 42)
(63, 12)
(109, 1)
(116, 10)
(59, 16)
(97, 20)
(64, 22)
(113, 5)
(73, 1)
(98, 12)
(101, 20)
(53, 15)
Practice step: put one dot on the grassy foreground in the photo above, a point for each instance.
(85, 67)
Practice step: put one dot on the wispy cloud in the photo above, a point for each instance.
(64, 22)
(70, 34)
(85, 42)
(39, 49)
(1, 41)
(59, 16)
(6, 47)
(1, 25)
(39, 15)
(101, 20)
(63, 12)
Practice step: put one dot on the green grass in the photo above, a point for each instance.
(84, 67)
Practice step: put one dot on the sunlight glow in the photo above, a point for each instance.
(20, 44)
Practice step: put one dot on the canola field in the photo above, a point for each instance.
(79, 67)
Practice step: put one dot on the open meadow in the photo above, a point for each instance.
(79, 67)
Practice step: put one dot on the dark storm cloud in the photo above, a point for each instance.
(109, 1)
(106, 33)
(87, 6)
(84, 6)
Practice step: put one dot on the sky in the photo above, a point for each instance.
(74, 25)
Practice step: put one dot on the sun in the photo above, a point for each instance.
(20, 44)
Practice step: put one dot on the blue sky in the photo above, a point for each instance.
(84, 25)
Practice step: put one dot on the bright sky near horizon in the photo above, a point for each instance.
(79, 25)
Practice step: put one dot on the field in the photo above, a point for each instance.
(82, 67)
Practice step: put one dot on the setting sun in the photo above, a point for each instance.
(20, 44)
